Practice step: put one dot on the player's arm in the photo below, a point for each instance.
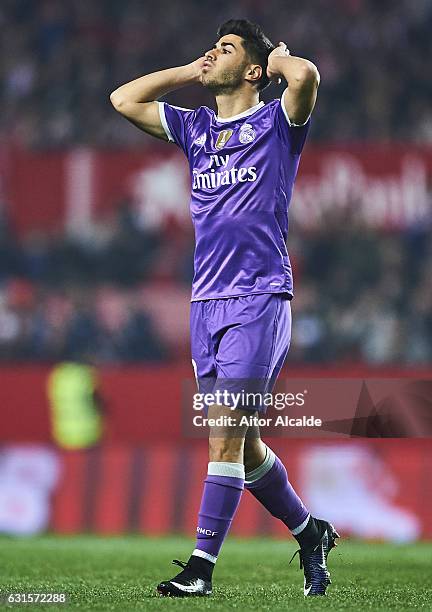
(136, 100)
(303, 80)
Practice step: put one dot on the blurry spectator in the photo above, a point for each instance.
(309, 332)
(61, 59)
(138, 341)
(83, 298)
(83, 333)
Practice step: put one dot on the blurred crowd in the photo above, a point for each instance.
(60, 59)
(361, 297)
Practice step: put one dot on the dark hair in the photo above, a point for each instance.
(256, 44)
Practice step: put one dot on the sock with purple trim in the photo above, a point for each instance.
(223, 488)
(269, 484)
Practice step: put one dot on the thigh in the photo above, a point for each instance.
(281, 343)
(203, 351)
(254, 342)
(257, 338)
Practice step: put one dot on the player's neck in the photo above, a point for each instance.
(232, 104)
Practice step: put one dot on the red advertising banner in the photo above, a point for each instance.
(136, 405)
(103, 451)
(368, 489)
(381, 186)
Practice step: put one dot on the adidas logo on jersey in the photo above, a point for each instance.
(200, 141)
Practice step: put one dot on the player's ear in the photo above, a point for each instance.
(253, 73)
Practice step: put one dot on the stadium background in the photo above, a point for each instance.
(96, 251)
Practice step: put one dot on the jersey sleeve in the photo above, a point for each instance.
(291, 134)
(176, 122)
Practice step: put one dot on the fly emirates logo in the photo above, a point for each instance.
(218, 174)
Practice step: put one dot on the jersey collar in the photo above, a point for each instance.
(245, 113)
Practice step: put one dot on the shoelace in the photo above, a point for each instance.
(300, 557)
(299, 552)
(182, 564)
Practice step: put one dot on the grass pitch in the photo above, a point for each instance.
(120, 573)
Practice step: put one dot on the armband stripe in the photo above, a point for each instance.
(164, 121)
(290, 123)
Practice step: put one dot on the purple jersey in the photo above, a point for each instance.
(242, 172)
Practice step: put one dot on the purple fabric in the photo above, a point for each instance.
(276, 494)
(220, 499)
(242, 174)
(240, 344)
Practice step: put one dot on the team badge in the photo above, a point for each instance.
(223, 138)
(200, 141)
(247, 133)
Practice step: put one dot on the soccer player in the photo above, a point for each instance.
(243, 162)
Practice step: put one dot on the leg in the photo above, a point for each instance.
(249, 334)
(224, 484)
(222, 492)
(266, 476)
(227, 443)
(267, 480)
(254, 449)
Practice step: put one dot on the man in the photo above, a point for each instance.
(243, 162)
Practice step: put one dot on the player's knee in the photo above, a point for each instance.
(227, 448)
(227, 434)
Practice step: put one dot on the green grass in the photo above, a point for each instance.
(121, 573)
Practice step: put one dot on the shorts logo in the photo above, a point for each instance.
(247, 133)
(200, 141)
(223, 138)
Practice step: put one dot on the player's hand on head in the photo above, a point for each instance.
(280, 51)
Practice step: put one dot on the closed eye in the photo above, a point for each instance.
(223, 46)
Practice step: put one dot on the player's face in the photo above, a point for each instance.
(225, 65)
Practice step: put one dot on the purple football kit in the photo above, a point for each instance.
(242, 172)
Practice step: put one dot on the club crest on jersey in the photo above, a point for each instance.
(200, 141)
(223, 138)
(247, 133)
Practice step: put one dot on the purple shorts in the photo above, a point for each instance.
(239, 344)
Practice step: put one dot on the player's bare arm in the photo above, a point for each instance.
(303, 80)
(136, 100)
